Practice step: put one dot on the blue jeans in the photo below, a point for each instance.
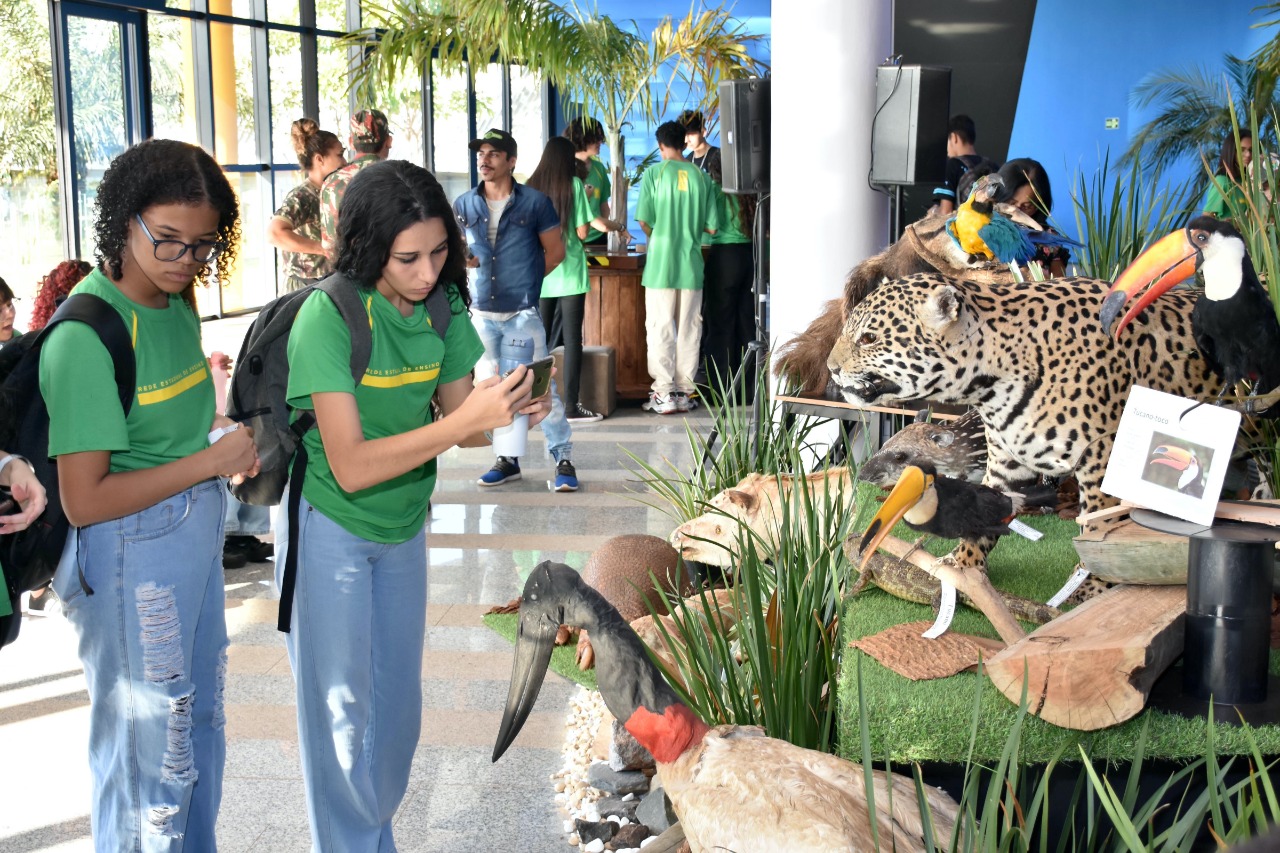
(523, 340)
(359, 622)
(153, 640)
(246, 519)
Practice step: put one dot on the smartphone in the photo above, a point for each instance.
(541, 375)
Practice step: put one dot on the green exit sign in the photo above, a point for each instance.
(1112, 124)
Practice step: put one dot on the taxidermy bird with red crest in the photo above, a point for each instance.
(732, 787)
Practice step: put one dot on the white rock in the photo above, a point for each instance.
(616, 818)
(648, 841)
(568, 827)
(623, 821)
(628, 797)
(595, 846)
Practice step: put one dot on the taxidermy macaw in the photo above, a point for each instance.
(733, 787)
(981, 231)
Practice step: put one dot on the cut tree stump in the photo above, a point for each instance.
(1094, 666)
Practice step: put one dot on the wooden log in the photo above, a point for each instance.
(1093, 667)
(973, 582)
(1131, 553)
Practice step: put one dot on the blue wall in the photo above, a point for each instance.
(1087, 56)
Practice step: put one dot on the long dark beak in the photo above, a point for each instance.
(535, 641)
(906, 493)
(1169, 261)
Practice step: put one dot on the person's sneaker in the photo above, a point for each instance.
(233, 559)
(663, 404)
(253, 548)
(681, 401)
(575, 414)
(566, 477)
(506, 469)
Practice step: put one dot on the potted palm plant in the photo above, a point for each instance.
(612, 71)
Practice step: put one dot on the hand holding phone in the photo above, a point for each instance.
(541, 376)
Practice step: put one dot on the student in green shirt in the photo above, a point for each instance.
(587, 135)
(359, 609)
(727, 310)
(141, 578)
(1226, 190)
(675, 208)
(564, 290)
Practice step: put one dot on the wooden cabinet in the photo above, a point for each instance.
(614, 317)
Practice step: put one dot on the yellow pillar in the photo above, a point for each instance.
(226, 147)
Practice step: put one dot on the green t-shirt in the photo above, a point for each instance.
(407, 363)
(598, 188)
(569, 278)
(172, 409)
(1222, 189)
(730, 230)
(676, 202)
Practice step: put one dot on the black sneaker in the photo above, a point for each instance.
(575, 414)
(506, 469)
(253, 548)
(233, 559)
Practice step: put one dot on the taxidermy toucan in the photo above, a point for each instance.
(733, 787)
(1183, 460)
(948, 508)
(981, 231)
(1234, 322)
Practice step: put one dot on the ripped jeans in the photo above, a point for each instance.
(153, 641)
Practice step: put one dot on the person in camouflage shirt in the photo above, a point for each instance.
(371, 140)
(295, 228)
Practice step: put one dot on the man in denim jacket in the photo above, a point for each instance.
(513, 235)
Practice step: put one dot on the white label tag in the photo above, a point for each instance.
(1072, 584)
(1025, 530)
(946, 612)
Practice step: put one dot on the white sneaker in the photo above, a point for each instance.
(662, 404)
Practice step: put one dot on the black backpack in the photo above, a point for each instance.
(31, 556)
(258, 397)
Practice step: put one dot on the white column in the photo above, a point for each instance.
(824, 217)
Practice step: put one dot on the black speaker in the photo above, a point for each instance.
(909, 132)
(744, 135)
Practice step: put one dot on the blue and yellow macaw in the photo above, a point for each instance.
(980, 231)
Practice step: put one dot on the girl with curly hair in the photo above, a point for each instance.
(54, 287)
(141, 578)
(359, 608)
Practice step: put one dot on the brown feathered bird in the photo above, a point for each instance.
(732, 787)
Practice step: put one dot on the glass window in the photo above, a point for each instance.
(332, 15)
(173, 84)
(283, 11)
(253, 282)
(403, 107)
(234, 130)
(449, 117)
(528, 124)
(489, 100)
(285, 51)
(331, 65)
(97, 110)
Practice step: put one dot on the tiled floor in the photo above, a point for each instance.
(481, 544)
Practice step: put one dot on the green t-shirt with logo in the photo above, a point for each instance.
(408, 361)
(730, 230)
(172, 409)
(598, 187)
(676, 201)
(569, 278)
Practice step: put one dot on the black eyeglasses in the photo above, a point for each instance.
(173, 250)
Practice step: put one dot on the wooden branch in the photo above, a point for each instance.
(1258, 512)
(973, 582)
(1093, 667)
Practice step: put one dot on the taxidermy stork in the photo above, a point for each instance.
(1183, 460)
(732, 787)
(977, 228)
(1234, 322)
(949, 508)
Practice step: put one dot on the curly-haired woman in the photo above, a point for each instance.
(54, 287)
(359, 608)
(141, 579)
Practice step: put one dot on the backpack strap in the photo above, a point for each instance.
(98, 314)
(346, 296)
(438, 309)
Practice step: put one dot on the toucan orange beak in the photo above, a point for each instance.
(1171, 260)
(911, 486)
(1174, 457)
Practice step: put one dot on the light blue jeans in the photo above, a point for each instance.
(153, 640)
(359, 622)
(523, 340)
(246, 519)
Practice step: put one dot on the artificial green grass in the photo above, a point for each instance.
(562, 659)
(933, 720)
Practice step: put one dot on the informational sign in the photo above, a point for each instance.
(1171, 454)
